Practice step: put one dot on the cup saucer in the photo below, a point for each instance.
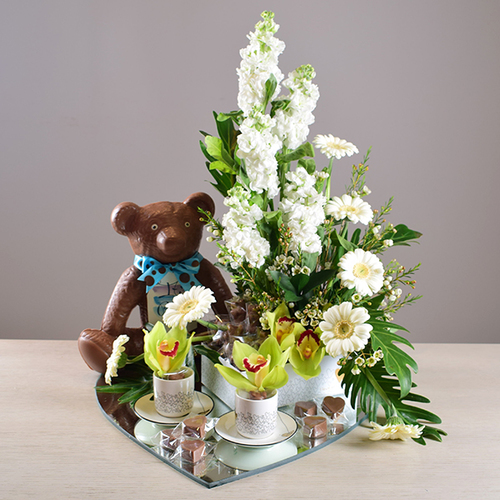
(145, 409)
(285, 429)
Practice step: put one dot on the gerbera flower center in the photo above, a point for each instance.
(361, 270)
(188, 306)
(344, 329)
(349, 209)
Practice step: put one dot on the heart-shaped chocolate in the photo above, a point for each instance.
(333, 407)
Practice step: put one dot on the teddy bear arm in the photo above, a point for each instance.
(210, 277)
(128, 294)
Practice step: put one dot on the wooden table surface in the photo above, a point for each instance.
(55, 443)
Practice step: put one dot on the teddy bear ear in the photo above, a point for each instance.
(201, 200)
(123, 217)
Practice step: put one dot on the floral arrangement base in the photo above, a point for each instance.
(297, 389)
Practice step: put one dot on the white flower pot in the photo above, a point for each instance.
(256, 418)
(174, 398)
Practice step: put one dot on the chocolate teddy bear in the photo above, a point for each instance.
(165, 238)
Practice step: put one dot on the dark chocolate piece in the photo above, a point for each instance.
(193, 450)
(305, 409)
(333, 407)
(195, 426)
(315, 427)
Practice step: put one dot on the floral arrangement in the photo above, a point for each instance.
(309, 262)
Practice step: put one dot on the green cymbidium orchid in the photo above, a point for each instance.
(306, 355)
(264, 368)
(283, 327)
(165, 351)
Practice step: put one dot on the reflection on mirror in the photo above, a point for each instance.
(205, 444)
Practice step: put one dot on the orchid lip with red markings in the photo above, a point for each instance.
(166, 352)
(308, 344)
(260, 363)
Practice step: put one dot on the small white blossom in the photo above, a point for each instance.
(388, 243)
(188, 306)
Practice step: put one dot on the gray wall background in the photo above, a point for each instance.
(101, 102)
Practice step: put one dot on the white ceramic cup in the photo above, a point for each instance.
(174, 398)
(256, 418)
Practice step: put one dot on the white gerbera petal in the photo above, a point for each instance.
(355, 209)
(395, 431)
(334, 147)
(361, 270)
(114, 358)
(188, 306)
(344, 329)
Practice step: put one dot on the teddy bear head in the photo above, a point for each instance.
(167, 231)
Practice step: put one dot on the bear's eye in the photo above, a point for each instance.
(154, 227)
(187, 224)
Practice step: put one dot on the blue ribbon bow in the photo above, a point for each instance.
(185, 270)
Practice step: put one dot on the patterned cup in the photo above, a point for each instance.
(256, 418)
(174, 397)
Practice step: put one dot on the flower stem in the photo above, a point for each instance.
(330, 166)
(212, 326)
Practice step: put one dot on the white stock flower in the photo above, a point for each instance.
(355, 209)
(243, 240)
(292, 122)
(332, 146)
(361, 270)
(344, 329)
(114, 358)
(257, 146)
(188, 306)
(303, 212)
(395, 431)
(259, 62)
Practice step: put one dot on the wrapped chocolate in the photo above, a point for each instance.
(314, 427)
(333, 407)
(305, 409)
(192, 450)
(195, 426)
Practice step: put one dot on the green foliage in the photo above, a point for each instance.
(388, 384)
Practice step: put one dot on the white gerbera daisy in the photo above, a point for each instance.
(395, 431)
(344, 329)
(114, 358)
(188, 306)
(355, 209)
(334, 147)
(361, 270)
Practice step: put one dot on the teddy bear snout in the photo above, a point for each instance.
(170, 240)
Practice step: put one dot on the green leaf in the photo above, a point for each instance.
(395, 359)
(222, 167)
(270, 88)
(359, 386)
(203, 350)
(347, 245)
(305, 149)
(299, 281)
(318, 278)
(404, 234)
(283, 281)
(309, 164)
(355, 236)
